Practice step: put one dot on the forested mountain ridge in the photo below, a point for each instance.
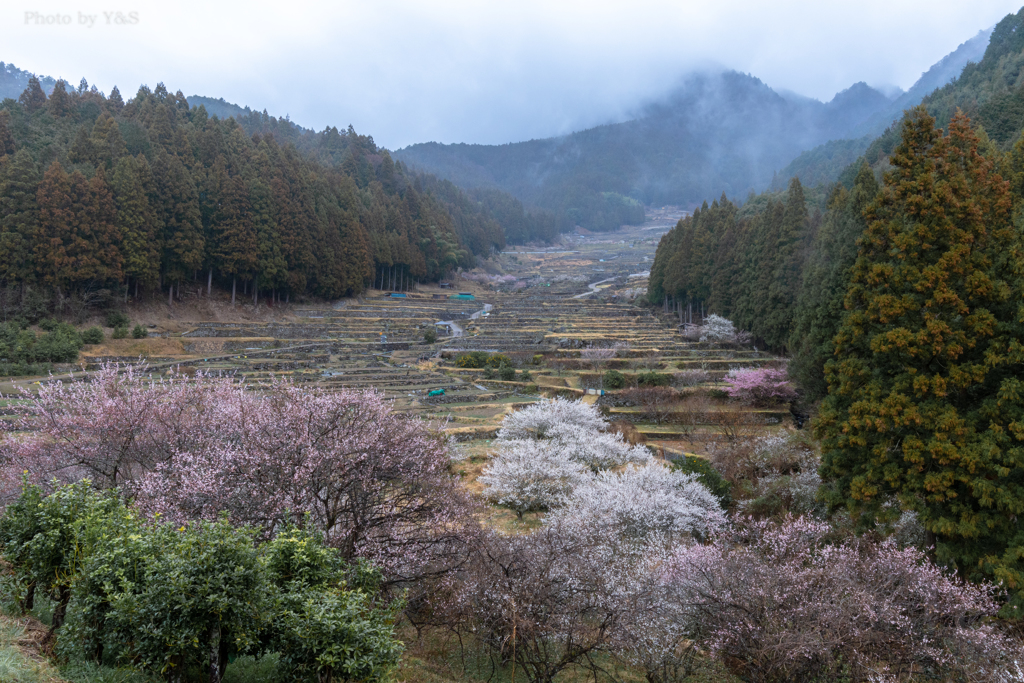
(100, 194)
(716, 132)
(826, 162)
(13, 81)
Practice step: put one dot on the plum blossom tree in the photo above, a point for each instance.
(717, 329)
(534, 421)
(785, 603)
(531, 475)
(760, 386)
(375, 484)
(642, 504)
(596, 450)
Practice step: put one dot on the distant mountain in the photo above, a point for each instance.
(716, 132)
(824, 163)
(941, 73)
(219, 107)
(13, 82)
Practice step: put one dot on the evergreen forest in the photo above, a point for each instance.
(104, 198)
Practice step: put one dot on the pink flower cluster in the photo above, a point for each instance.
(376, 484)
(760, 386)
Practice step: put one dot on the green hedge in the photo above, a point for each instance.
(167, 598)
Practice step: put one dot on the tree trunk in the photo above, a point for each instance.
(170, 295)
(30, 597)
(209, 283)
(233, 288)
(256, 291)
(60, 611)
(136, 289)
(215, 664)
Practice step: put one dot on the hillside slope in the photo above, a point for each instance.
(725, 131)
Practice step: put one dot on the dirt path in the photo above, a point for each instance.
(593, 288)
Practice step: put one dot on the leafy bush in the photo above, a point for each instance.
(60, 345)
(49, 538)
(117, 319)
(170, 599)
(506, 373)
(48, 324)
(525, 376)
(538, 358)
(473, 360)
(430, 335)
(120, 332)
(93, 335)
(499, 360)
(201, 597)
(653, 379)
(707, 475)
(139, 332)
(613, 379)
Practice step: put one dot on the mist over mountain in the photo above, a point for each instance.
(824, 163)
(13, 81)
(716, 132)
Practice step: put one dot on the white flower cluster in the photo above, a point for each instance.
(556, 455)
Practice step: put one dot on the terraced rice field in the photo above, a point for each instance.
(542, 322)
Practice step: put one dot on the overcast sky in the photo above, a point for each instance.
(409, 71)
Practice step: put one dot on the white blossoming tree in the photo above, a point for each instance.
(531, 475)
(648, 503)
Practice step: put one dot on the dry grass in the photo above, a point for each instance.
(23, 654)
(146, 348)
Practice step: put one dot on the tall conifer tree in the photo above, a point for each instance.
(925, 403)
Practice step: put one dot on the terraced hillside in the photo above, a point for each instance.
(542, 312)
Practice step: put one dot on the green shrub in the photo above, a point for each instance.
(201, 596)
(506, 373)
(430, 336)
(117, 319)
(93, 335)
(718, 394)
(47, 539)
(707, 475)
(120, 332)
(488, 373)
(653, 379)
(613, 379)
(139, 332)
(61, 345)
(48, 324)
(327, 623)
(473, 359)
(538, 359)
(498, 360)
(525, 376)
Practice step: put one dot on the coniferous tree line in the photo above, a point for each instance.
(900, 307)
(127, 198)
